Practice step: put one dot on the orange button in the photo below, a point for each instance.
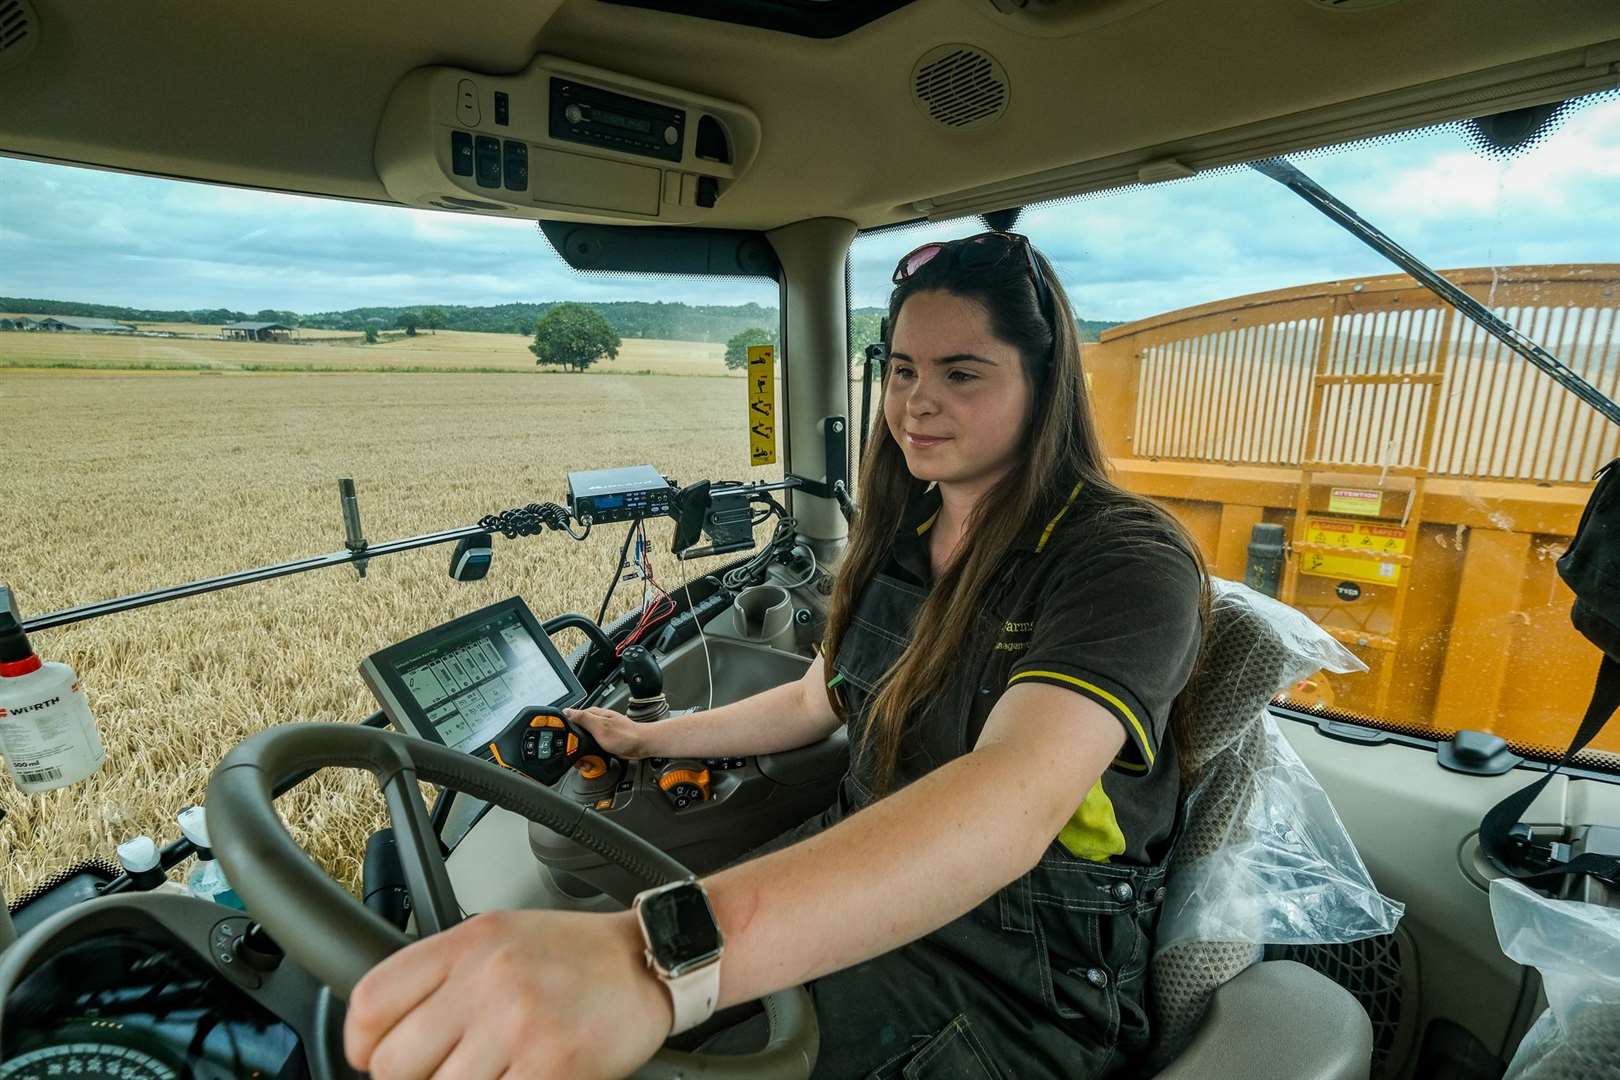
(592, 767)
(573, 743)
(605, 804)
(546, 721)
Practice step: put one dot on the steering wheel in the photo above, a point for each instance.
(327, 931)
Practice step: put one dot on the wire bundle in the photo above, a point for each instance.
(530, 520)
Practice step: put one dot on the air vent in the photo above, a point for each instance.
(959, 87)
(19, 31)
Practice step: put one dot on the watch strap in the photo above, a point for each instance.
(693, 996)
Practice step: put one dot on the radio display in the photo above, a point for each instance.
(629, 123)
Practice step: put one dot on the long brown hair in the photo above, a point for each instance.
(1060, 447)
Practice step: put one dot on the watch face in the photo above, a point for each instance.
(680, 927)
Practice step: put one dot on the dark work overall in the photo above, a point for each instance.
(1045, 978)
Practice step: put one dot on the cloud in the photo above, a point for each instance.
(82, 234)
(1134, 253)
(144, 242)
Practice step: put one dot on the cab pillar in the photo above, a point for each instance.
(814, 356)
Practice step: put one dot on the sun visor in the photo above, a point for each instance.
(561, 141)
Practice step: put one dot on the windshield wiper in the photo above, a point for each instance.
(1290, 177)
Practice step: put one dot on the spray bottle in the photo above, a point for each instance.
(207, 879)
(141, 860)
(46, 732)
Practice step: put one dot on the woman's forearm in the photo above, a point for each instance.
(776, 719)
(896, 870)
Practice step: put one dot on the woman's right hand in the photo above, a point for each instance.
(615, 732)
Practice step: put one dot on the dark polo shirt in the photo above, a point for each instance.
(1113, 621)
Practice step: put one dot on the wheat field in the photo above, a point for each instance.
(124, 481)
(447, 350)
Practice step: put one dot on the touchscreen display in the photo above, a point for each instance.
(471, 685)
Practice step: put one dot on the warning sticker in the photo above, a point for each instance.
(762, 404)
(1360, 536)
(1355, 501)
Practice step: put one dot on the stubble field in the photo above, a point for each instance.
(126, 481)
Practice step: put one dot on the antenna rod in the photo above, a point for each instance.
(351, 522)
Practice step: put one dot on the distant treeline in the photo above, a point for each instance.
(629, 318)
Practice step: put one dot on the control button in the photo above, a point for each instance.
(592, 767)
(626, 786)
(503, 108)
(573, 744)
(671, 135)
(605, 804)
(1097, 977)
(708, 190)
(461, 153)
(488, 154)
(516, 167)
(1123, 892)
(467, 103)
(574, 114)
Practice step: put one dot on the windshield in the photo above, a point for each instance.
(1337, 436)
(186, 372)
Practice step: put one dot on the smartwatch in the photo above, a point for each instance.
(683, 948)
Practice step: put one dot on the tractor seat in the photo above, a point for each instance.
(1220, 1010)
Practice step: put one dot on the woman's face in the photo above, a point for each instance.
(956, 398)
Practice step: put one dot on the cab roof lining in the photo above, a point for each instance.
(292, 104)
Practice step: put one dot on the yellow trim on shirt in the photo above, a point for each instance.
(929, 524)
(1050, 525)
(1125, 710)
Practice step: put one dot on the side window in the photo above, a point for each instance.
(1338, 436)
(186, 372)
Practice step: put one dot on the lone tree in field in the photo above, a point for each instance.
(575, 336)
(434, 319)
(410, 320)
(371, 335)
(737, 347)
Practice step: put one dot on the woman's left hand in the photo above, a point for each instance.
(514, 993)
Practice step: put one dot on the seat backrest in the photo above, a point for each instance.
(1245, 664)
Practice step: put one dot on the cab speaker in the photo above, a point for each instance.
(19, 32)
(959, 87)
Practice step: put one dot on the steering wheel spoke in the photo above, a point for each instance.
(433, 898)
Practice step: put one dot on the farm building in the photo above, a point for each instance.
(257, 331)
(17, 322)
(78, 324)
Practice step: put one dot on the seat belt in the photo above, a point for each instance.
(1591, 568)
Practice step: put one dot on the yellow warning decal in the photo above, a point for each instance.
(762, 404)
(1355, 501)
(1371, 538)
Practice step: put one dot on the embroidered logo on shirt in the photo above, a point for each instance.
(1014, 636)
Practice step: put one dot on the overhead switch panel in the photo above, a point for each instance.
(561, 141)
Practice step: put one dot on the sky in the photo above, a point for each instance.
(81, 234)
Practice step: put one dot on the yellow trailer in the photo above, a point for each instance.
(1425, 478)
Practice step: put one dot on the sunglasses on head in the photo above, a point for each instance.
(981, 252)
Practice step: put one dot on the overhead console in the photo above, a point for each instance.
(561, 140)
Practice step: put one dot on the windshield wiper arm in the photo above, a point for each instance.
(1290, 177)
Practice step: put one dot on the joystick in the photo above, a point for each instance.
(646, 682)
